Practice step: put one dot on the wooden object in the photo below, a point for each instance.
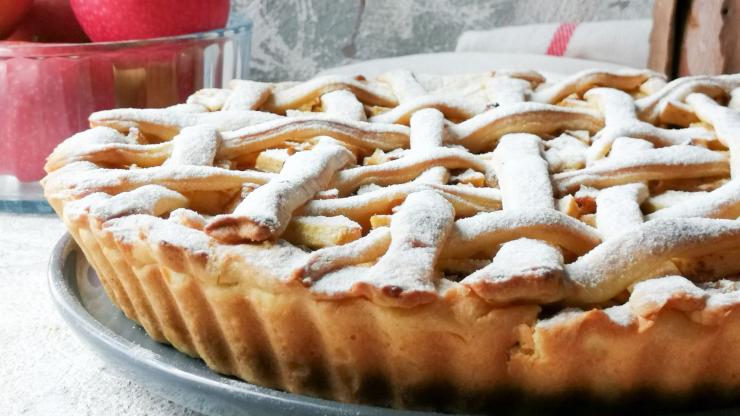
(692, 37)
(662, 36)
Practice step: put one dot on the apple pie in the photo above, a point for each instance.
(424, 241)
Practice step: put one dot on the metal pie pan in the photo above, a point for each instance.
(123, 344)
(82, 302)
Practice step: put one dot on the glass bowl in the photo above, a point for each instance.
(47, 90)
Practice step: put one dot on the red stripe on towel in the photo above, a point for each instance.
(561, 38)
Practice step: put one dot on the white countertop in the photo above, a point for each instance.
(45, 369)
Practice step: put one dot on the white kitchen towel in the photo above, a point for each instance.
(625, 42)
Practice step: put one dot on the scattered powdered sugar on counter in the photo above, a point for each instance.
(46, 369)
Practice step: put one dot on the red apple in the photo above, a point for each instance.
(50, 21)
(11, 13)
(113, 20)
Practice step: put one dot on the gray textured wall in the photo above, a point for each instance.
(293, 39)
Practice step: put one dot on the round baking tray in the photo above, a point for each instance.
(83, 304)
(80, 299)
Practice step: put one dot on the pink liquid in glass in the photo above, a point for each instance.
(48, 91)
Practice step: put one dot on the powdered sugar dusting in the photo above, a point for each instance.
(651, 107)
(323, 261)
(223, 120)
(271, 206)
(650, 296)
(211, 98)
(618, 209)
(452, 107)
(488, 229)
(523, 173)
(409, 174)
(471, 132)
(723, 202)
(503, 90)
(621, 121)
(428, 133)
(149, 199)
(582, 81)
(404, 85)
(634, 255)
(466, 200)
(523, 270)
(183, 178)
(518, 256)
(565, 152)
(670, 198)
(195, 145)
(157, 230)
(357, 133)
(405, 168)
(663, 163)
(726, 123)
(94, 136)
(418, 231)
(247, 95)
(304, 92)
(344, 104)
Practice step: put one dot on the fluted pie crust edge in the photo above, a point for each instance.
(451, 353)
(363, 241)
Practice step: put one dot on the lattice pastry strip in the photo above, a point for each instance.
(723, 202)
(502, 90)
(356, 133)
(583, 81)
(412, 96)
(523, 269)
(650, 297)
(152, 200)
(196, 145)
(453, 109)
(636, 255)
(618, 209)
(247, 95)
(265, 213)
(212, 99)
(473, 234)
(105, 145)
(164, 124)
(308, 91)
(405, 169)
(673, 162)
(407, 270)
(427, 133)
(726, 123)
(363, 250)
(466, 200)
(404, 85)
(621, 120)
(82, 178)
(522, 173)
(331, 206)
(344, 104)
(481, 132)
(652, 107)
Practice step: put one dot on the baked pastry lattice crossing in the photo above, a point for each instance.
(265, 227)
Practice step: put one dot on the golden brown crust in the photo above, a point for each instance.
(325, 274)
(355, 350)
